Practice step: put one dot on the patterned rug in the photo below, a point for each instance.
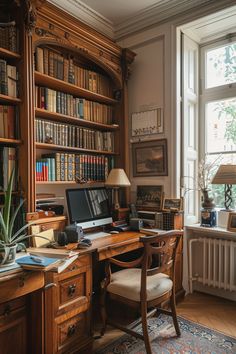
(195, 339)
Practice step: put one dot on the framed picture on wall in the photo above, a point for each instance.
(150, 158)
(147, 122)
(149, 197)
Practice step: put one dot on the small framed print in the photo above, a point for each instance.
(231, 226)
(150, 197)
(147, 122)
(173, 204)
(150, 158)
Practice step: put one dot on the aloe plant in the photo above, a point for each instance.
(8, 237)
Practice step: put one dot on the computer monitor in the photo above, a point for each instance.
(88, 207)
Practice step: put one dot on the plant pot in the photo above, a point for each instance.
(8, 255)
(208, 203)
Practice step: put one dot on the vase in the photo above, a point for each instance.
(8, 255)
(208, 203)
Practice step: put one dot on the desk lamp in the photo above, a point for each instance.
(117, 178)
(226, 174)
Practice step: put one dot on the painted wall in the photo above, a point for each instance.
(151, 85)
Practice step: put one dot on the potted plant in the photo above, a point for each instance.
(9, 240)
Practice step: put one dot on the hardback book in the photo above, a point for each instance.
(38, 262)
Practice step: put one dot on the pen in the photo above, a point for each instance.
(36, 259)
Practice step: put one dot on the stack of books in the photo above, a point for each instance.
(45, 259)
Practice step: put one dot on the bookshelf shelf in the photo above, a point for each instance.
(59, 85)
(58, 117)
(46, 146)
(5, 53)
(5, 141)
(9, 99)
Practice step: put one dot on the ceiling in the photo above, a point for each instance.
(120, 18)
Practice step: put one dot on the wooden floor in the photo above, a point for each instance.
(211, 311)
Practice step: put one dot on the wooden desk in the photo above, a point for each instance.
(15, 311)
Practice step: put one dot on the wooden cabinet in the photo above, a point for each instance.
(67, 308)
(15, 330)
(13, 327)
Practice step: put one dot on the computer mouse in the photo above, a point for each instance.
(114, 232)
(87, 240)
(82, 245)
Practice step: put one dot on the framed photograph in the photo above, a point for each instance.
(150, 158)
(149, 197)
(147, 122)
(174, 204)
(231, 226)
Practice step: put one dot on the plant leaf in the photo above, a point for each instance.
(7, 201)
(4, 230)
(12, 221)
(17, 234)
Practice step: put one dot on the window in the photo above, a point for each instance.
(218, 107)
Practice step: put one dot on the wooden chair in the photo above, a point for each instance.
(145, 287)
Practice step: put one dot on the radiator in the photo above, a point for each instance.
(214, 263)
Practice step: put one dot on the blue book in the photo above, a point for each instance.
(38, 263)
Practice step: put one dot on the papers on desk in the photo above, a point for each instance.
(152, 231)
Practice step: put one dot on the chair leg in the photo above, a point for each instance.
(174, 315)
(145, 328)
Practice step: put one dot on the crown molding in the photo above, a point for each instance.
(87, 15)
(163, 11)
(178, 11)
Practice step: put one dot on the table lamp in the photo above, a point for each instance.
(226, 174)
(117, 178)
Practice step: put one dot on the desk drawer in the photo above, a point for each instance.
(72, 290)
(71, 331)
(78, 266)
(18, 285)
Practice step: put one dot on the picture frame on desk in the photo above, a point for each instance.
(150, 158)
(231, 225)
(172, 204)
(150, 197)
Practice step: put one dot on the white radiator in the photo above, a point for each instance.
(212, 262)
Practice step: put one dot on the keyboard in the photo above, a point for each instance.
(94, 235)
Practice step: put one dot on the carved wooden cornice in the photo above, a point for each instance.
(30, 10)
(127, 59)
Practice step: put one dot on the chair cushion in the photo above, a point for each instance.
(127, 283)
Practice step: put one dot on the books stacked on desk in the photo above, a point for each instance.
(44, 259)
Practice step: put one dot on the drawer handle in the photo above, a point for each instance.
(71, 330)
(50, 285)
(71, 289)
(21, 281)
(7, 310)
(74, 267)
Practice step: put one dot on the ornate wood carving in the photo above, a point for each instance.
(31, 8)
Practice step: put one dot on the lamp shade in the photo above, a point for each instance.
(226, 174)
(117, 177)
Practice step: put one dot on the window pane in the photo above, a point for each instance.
(221, 126)
(221, 66)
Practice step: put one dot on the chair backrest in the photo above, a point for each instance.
(163, 248)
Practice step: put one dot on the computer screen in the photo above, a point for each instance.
(88, 207)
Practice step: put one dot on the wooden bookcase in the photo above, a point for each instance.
(72, 62)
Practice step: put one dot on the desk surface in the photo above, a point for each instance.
(109, 246)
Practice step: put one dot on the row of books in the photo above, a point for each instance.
(64, 103)
(9, 36)
(73, 136)
(71, 167)
(8, 158)
(8, 79)
(59, 66)
(7, 121)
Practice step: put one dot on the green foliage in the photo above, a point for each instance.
(7, 220)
